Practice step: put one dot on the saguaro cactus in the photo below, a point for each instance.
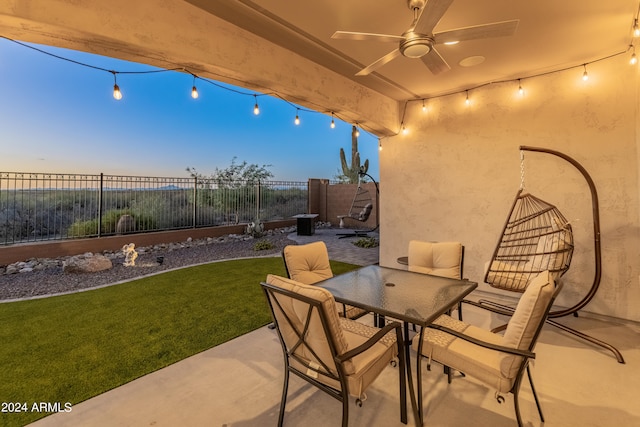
(351, 173)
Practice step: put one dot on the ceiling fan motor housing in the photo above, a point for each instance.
(415, 45)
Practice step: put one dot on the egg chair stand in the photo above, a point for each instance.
(536, 237)
(361, 208)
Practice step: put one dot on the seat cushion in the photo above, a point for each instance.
(308, 263)
(369, 364)
(484, 364)
(437, 258)
(496, 369)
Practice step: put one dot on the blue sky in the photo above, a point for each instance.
(60, 117)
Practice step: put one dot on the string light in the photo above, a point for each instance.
(520, 90)
(357, 131)
(403, 128)
(634, 58)
(379, 145)
(636, 28)
(116, 89)
(585, 75)
(256, 108)
(424, 107)
(117, 93)
(194, 90)
(467, 101)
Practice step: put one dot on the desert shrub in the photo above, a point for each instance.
(263, 245)
(109, 221)
(367, 242)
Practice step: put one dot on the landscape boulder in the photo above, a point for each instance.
(86, 263)
(126, 224)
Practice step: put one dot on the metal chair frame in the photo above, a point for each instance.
(342, 394)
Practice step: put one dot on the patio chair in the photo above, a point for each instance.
(445, 259)
(361, 208)
(309, 264)
(499, 361)
(339, 356)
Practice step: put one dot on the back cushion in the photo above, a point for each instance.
(297, 310)
(308, 263)
(530, 312)
(547, 256)
(437, 258)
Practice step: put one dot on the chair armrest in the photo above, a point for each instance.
(484, 344)
(374, 339)
(491, 306)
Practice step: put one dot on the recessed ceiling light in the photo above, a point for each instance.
(471, 61)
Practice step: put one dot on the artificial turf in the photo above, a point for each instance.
(63, 350)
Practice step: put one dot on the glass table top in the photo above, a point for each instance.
(408, 296)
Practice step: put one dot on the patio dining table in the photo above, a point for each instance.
(413, 298)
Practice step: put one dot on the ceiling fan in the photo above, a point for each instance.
(419, 41)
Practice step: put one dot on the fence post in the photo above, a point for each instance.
(258, 188)
(195, 200)
(100, 204)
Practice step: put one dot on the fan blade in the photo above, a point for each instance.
(349, 35)
(497, 29)
(435, 62)
(430, 15)
(379, 63)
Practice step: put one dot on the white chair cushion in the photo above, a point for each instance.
(436, 258)
(297, 312)
(529, 311)
(362, 369)
(497, 369)
(308, 263)
(489, 366)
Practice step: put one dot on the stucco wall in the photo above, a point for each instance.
(454, 176)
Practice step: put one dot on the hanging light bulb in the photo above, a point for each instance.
(520, 90)
(585, 75)
(297, 120)
(357, 131)
(403, 128)
(194, 89)
(467, 100)
(636, 28)
(634, 58)
(379, 145)
(333, 123)
(424, 107)
(116, 89)
(256, 108)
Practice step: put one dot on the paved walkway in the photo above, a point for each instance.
(342, 249)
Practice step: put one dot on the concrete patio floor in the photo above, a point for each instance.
(239, 383)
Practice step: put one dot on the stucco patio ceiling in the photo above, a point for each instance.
(550, 35)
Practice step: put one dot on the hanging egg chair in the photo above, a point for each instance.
(535, 238)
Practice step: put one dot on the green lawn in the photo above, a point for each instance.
(73, 347)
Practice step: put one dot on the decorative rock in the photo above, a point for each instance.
(87, 264)
(68, 263)
(126, 224)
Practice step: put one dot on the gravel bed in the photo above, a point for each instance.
(53, 280)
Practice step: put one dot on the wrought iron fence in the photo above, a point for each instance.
(38, 206)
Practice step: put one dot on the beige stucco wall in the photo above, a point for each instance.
(456, 173)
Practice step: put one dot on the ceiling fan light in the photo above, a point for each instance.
(452, 42)
(415, 47)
